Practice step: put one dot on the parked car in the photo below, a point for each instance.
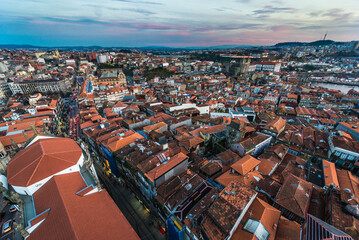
(7, 226)
(12, 208)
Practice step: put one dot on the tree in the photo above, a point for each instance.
(20, 228)
(157, 72)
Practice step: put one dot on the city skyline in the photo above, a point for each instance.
(132, 23)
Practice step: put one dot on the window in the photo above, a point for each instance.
(2, 155)
(337, 154)
(343, 156)
(350, 157)
(256, 227)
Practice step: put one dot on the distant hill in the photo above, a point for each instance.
(315, 43)
(163, 48)
(223, 47)
(27, 46)
(23, 46)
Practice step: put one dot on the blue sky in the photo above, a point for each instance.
(175, 23)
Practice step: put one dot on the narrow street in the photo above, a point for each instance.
(133, 210)
(5, 216)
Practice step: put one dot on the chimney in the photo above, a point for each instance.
(25, 135)
(165, 146)
(274, 226)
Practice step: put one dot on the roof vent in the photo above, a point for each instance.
(161, 157)
(274, 226)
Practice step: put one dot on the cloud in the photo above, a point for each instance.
(177, 33)
(139, 2)
(243, 1)
(337, 13)
(334, 13)
(157, 26)
(142, 25)
(141, 11)
(268, 10)
(76, 20)
(142, 22)
(281, 28)
(314, 14)
(223, 9)
(226, 27)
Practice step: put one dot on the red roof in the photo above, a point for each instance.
(163, 168)
(245, 164)
(72, 216)
(42, 159)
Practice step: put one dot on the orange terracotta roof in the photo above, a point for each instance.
(93, 216)
(163, 168)
(245, 164)
(288, 230)
(250, 179)
(18, 138)
(295, 195)
(20, 126)
(330, 174)
(228, 156)
(190, 141)
(119, 105)
(266, 166)
(42, 159)
(14, 105)
(8, 114)
(114, 146)
(267, 215)
(276, 125)
(209, 129)
(150, 128)
(226, 120)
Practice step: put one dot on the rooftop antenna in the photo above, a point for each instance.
(325, 36)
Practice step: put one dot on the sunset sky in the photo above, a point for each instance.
(132, 23)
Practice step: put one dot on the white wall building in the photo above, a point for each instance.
(42, 159)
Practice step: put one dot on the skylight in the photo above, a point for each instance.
(256, 227)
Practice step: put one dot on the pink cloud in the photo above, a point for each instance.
(179, 33)
(212, 33)
(281, 28)
(118, 31)
(158, 27)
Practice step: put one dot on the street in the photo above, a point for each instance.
(73, 119)
(7, 215)
(136, 214)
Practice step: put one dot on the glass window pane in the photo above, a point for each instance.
(251, 225)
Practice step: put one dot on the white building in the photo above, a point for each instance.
(3, 67)
(42, 159)
(103, 58)
(265, 66)
(63, 202)
(203, 109)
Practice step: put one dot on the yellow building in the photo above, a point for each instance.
(112, 77)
